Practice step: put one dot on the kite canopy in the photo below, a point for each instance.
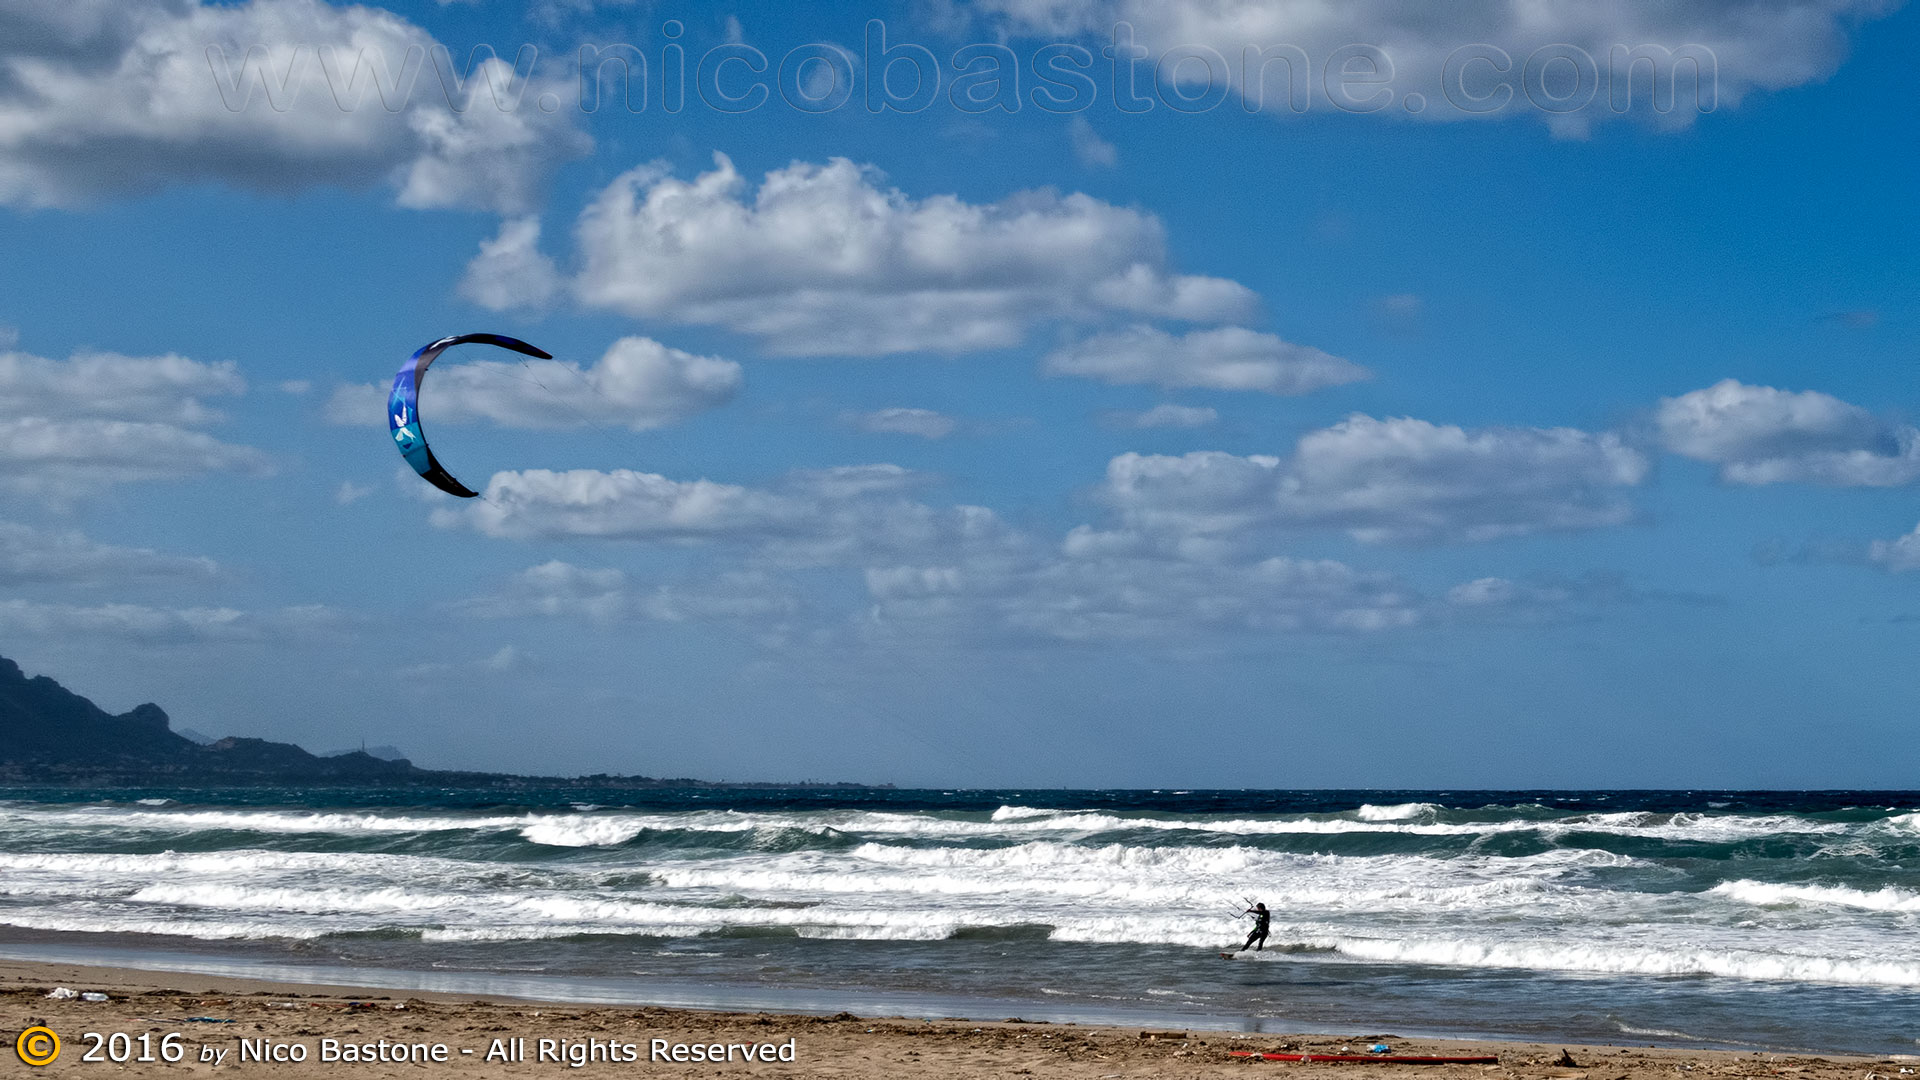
(403, 406)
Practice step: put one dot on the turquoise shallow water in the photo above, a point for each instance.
(1782, 920)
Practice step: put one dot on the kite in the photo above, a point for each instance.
(403, 407)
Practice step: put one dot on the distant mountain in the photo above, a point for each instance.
(384, 753)
(51, 735)
(189, 733)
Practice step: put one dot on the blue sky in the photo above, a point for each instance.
(1545, 446)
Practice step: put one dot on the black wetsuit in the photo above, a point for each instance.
(1257, 940)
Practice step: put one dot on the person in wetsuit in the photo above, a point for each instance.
(1257, 940)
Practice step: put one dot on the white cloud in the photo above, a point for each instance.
(349, 493)
(162, 389)
(1089, 147)
(296, 387)
(1229, 358)
(1898, 555)
(1165, 415)
(1167, 575)
(510, 270)
(1760, 435)
(562, 590)
(952, 571)
(1404, 307)
(161, 626)
(924, 423)
(31, 556)
(1749, 45)
(58, 458)
(637, 382)
(1401, 479)
(1550, 597)
(835, 516)
(351, 96)
(76, 426)
(1092, 596)
(821, 259)
(557, 589)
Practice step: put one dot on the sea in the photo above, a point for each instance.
(1774, 921)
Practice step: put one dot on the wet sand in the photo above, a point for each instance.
(425, 1034)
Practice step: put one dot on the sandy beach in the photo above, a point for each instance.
(218, 1018)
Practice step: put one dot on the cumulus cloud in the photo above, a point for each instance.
(511, 271)
(1742, 45)
(33, 556)
(1088, 146)
(1088, 595)
(1402, 480)
(822, 259)
(954, 571)
(1229, 358)
(605, 596)
(161, 626)
(627, 505)
(1164, 415)
(1554, 597)
(924, 423)
(52, 457)
(807, 518)
(1900, 554)
(272, 95)
(1761, 435)
(638, 383)
(164, 389)
(99, 419)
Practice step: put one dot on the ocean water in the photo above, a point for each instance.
(1746, 919)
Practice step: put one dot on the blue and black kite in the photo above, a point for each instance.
(403, 406)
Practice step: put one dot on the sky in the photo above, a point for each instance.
(977, 393)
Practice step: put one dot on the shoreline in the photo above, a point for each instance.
(674, 993)
(215, 1012)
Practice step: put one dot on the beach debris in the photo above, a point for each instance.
(1379, 1048)
(1565, 1061)
(1181, 1035)
(93, 995)
(1254, 1055)
(61, 993)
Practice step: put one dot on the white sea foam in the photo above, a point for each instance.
(1768, 894)
(1093, 876)
(605, 828)
(1395, 812)
(1635, 960)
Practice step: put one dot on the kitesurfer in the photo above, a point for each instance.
(1257, 939)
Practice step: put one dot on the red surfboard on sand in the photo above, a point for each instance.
(1388, 1058)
